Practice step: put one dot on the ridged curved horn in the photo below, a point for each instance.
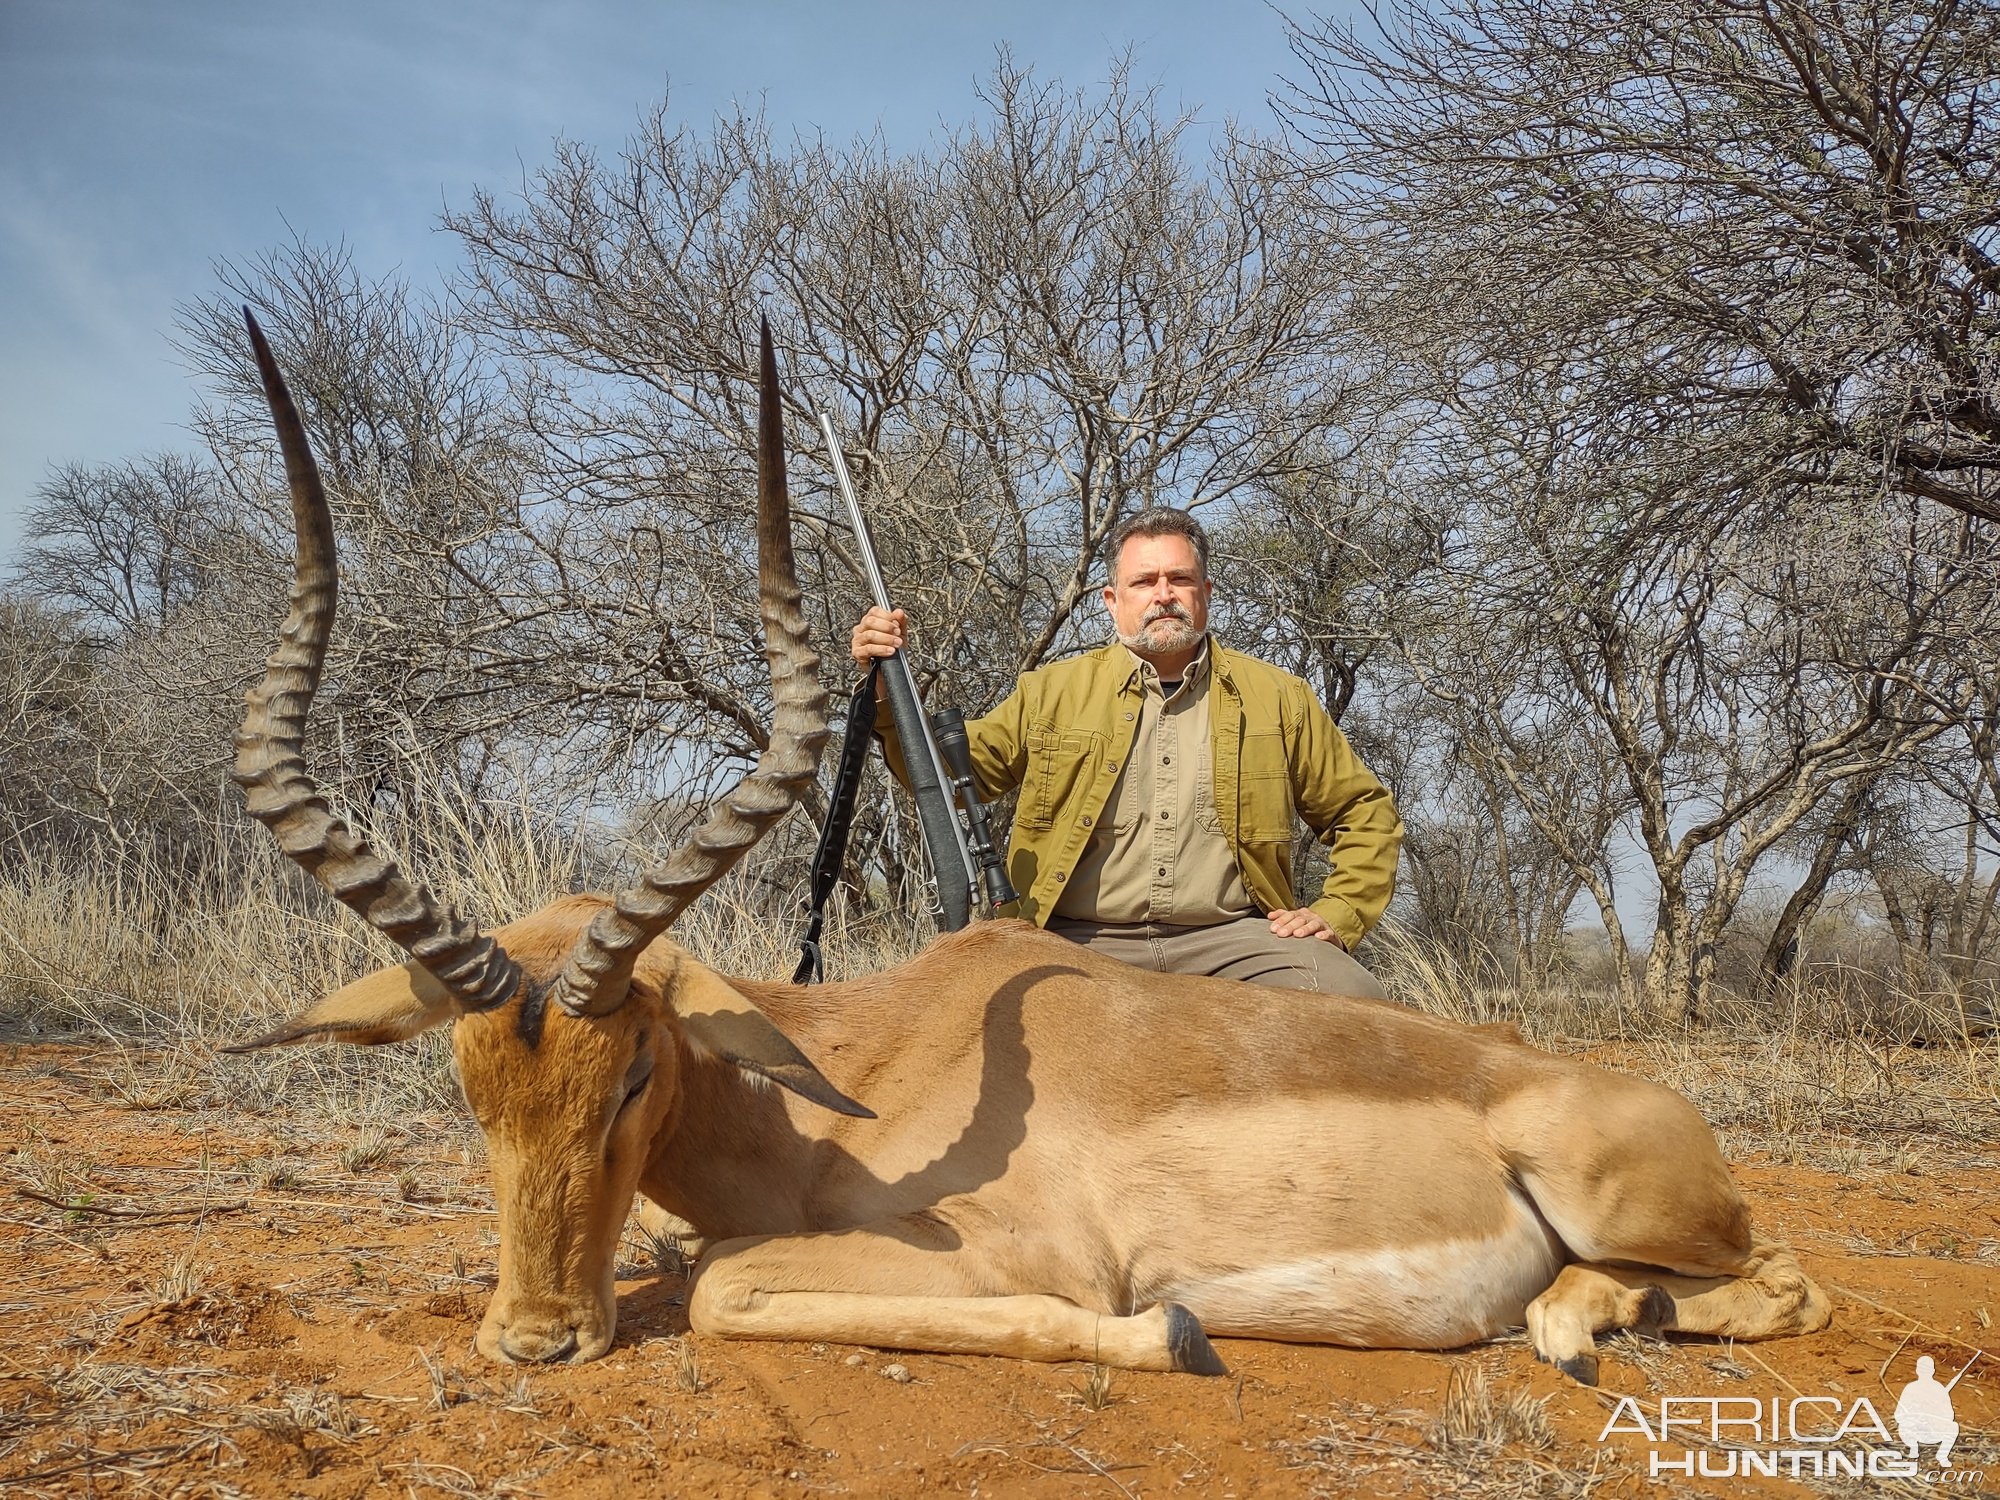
(598, 974)
(270, 762)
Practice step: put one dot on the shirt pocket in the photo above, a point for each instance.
(1207, 816)
(1062, 763)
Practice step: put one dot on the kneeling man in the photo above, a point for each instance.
(1159, 775)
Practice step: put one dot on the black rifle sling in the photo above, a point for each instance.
(832, 849)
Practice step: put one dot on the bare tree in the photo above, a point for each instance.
(1690, 312)
(128, 544)
(1780, 214)
(1051, 318)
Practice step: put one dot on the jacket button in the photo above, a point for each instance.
(1128, 718)
(1086, 820)
(1060, 877)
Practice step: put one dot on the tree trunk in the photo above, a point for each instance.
(1672, 981)
(1829, 859)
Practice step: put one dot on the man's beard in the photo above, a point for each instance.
(1166, 627)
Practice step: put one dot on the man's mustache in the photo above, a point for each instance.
(1167, 612)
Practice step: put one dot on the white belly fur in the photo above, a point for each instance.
(1436, 1295)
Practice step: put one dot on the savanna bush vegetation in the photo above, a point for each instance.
(1598, 404)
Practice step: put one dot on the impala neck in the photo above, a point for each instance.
(729, 1158)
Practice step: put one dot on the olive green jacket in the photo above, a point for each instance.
(1065, 730)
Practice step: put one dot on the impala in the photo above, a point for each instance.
(1061, 1157)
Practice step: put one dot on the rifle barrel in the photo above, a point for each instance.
(930, 780)
(863, 542)
(1968, 1365)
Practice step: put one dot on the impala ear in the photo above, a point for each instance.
(390, 1005)
(721, 1018)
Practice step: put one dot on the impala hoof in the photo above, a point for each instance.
(1188, 1346)
(1582, 1368)
(538, 1349)
(1656, 1313)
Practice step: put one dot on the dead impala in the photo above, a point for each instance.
(1067, 1158)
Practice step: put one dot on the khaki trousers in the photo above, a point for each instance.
(1244, 949)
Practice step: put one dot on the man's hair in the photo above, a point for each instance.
(1158, 520)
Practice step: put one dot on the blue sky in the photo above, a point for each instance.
(146, 139)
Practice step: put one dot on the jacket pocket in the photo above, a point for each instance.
(1061, 764)
(1264, 790)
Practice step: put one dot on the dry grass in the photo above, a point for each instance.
(1486, 1443)
(1096, 1391)
(1478, 1422)
(162, 965)
(371, 1150)
(687, 1367)
(180, 1284)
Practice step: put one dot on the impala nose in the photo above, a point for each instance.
(526, 1347)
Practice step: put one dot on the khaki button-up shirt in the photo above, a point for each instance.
(1157, 853)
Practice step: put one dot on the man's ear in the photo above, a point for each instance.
(718, 1016)
(390, 1005)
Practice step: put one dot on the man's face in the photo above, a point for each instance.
(1159, 597)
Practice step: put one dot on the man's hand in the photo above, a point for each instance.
(880, 633)
(1304, 923)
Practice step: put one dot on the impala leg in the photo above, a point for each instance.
(1582, 1302)
(1772, 1297)
(868, 1286)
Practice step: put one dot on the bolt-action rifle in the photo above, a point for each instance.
(936, 754)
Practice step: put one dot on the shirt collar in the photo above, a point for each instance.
(1145, 672)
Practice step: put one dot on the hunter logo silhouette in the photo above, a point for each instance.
(1923, 1411)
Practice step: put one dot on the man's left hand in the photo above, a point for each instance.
(1305, 923)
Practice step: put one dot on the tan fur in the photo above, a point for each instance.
(1066, 1151)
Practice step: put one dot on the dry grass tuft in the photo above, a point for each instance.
(1095, 1392)
(686, 1367)
(1484, 1445)
(371, 1150)
(1477, 1423)
(664, 1253)
(451, 1386)
(180, 1284)
(307, 1412)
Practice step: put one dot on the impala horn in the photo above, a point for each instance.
(270, 759)
(598, 974)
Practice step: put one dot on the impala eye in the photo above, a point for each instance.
(638, 1075)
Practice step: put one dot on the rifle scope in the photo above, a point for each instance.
(948, 724)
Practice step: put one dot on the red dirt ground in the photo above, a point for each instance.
(212, 1306)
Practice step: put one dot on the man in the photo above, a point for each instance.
(1159, 775)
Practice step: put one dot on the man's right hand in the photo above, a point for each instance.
(879, 634)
